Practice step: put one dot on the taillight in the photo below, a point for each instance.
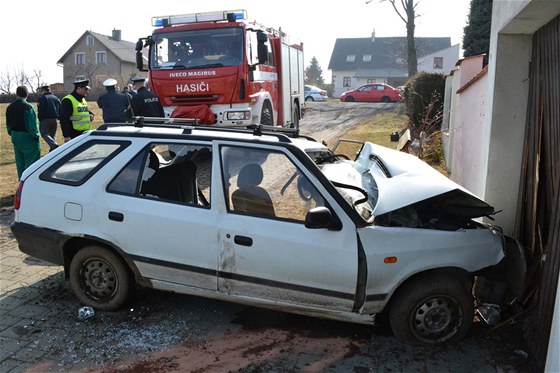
(17, 198)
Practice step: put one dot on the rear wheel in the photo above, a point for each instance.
(100, 279)
(385, 99)
(349, 99)
(295, 118)
(431, 310)
(266, 114)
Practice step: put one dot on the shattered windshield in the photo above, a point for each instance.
(197, 49)
(354, 183)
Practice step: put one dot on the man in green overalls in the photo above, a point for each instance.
(75, 117)
(21, 122)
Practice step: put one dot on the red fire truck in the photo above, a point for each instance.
(223, 70)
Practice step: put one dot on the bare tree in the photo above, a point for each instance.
(7, 81)
(38, 79)
(407, 13)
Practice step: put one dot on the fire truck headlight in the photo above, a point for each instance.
(238, 115)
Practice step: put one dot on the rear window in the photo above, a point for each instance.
(79, 165)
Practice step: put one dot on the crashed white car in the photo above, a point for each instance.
(269, 220)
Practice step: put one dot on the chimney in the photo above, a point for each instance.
(373, 36)
(116, 35)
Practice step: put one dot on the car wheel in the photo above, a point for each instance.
(266, 114)
(386, 99)
(309, 98)
(295, 118)
(431, 310)
(100, 279)
(349, 99)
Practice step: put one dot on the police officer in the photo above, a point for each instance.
(21, 123)
(75, 117)
(145, 103)
(113, 104)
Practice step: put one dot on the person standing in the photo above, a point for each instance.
(21, 123)
(145, 103)
(48, 107)
(113, 104)
(75, 117)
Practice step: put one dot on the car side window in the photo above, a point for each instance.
(171, 172)
(266, 184)
(82, 163)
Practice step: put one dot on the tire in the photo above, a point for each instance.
(295, 118)
(100, 279)
(431, 310)
(385, 99)
(309, 98)
(266, 114)
(349, 99)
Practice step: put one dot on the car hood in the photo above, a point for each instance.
(401, 180)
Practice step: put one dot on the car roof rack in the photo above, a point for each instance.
(189, 124)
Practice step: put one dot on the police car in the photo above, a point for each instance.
(267, 219)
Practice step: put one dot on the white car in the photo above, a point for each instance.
(267, 220)
(313, 93)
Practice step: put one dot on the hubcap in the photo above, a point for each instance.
(99, 278)
(436, 319)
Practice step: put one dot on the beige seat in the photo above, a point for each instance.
(250, 198)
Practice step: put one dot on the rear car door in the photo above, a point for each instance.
(158, 210)
(265, 250)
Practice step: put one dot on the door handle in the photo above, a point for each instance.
(116, 216)
(243, 240)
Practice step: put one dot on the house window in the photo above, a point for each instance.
(367, 58)
(89, 41)
(101, 58)
(80, 58)
(370, 81)
(438, 62)
(346, 81)
(350, 58)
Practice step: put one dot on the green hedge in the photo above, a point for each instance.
(420, 92)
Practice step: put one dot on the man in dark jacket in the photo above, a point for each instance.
(21, 123)
(145, 103)
(48, 107)
(75, 117)
(113, 104)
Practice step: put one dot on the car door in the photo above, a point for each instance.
(152, 210)
(364, 93)
(265, 250)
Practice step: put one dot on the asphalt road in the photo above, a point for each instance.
(163, 332)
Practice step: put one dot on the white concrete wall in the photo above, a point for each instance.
(468, 154)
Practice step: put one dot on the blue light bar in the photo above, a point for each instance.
(228, 15)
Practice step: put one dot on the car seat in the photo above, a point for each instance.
(250, 197)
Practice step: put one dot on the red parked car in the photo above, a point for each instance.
(375, 92)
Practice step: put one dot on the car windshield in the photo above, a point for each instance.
(351, 180)
(197, 49)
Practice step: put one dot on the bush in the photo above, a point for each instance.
(423, 96)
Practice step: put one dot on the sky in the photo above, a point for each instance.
(38, 33)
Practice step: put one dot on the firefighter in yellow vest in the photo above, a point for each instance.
(75, 117)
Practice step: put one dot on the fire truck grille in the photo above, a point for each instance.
(194, 99)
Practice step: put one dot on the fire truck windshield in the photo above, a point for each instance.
(197, 49)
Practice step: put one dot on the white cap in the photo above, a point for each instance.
(110, 82)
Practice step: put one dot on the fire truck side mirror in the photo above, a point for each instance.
(262, 48)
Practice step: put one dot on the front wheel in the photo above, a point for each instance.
(100, 279)
(431, 310)
(349, 99)
(266, 114)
